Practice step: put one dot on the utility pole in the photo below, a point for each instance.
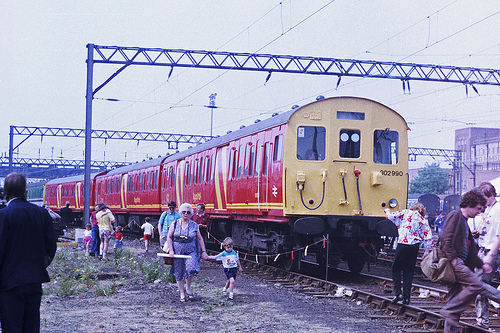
(212, 106)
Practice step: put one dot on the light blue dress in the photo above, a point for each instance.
(184, 242)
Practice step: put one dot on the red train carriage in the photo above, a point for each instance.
(70, 189)
(132, 192)
(326, 170)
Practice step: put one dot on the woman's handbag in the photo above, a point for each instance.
(438, 269)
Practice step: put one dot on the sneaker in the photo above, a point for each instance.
(231, 296)
(224, 292)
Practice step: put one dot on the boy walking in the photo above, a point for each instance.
(231, 264)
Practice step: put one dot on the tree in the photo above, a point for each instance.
(431, 179)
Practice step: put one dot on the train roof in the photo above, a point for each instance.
(135, 166)
(222, 140)
(36, 184)
(219, 141)
(71, 179)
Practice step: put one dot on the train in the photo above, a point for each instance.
(435, 204)
(320, 173)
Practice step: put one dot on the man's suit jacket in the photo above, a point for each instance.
(27, 244)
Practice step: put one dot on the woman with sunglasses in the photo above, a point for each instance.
(181, 239)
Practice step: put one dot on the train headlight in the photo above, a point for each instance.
(393, 203)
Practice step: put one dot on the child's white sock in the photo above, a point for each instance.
(231, 295)
(224, 291)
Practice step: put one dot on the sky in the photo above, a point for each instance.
(43, 70)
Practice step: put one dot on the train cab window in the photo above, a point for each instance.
(385, 146)
(350, 143)
(278, 148)
(311, 143)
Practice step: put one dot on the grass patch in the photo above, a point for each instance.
(73, 273)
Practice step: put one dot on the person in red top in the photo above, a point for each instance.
(202, 219)
(118, 238)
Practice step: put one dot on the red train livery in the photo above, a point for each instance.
(324, 170)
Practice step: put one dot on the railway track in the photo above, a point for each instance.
(422, 315)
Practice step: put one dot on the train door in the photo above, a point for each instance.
(179, 182)
(221, 178)
(263, 159)
(78, 194)
(123, 191)
(59, 196)
(275, 172)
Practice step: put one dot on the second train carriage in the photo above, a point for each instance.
(326, 170)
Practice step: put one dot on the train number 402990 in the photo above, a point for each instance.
(393, 173)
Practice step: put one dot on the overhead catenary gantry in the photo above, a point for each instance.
(126, 56)
(173, 140)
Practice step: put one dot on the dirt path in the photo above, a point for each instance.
(258, 306)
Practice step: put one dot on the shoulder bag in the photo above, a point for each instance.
(439, 269)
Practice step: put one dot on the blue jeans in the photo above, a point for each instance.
(96, 241)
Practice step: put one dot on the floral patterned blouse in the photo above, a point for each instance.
(412, 227)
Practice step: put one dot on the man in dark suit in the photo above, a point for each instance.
(27, 246)
(66, 215)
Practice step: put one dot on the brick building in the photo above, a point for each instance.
(481, 154)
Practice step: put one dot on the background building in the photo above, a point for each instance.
(481, 155)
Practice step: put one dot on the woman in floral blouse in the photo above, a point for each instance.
(413, 229)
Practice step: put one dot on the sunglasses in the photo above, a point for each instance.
(186, 212)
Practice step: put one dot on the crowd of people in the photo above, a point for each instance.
(469, 238)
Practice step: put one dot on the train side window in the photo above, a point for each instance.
(234, 162)
(212, 173)
(258, 158)
(350, 143)
(265, 166)
(248, 161)
(172, 176)
(200, 176)
(278, 148)
(385, 146)
(252, 161)
(311, 143)
(206, 172)
(241, 161)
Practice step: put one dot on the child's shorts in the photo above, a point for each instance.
(231, 272)
(87, 240)
(118, 244)
(147, 236)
